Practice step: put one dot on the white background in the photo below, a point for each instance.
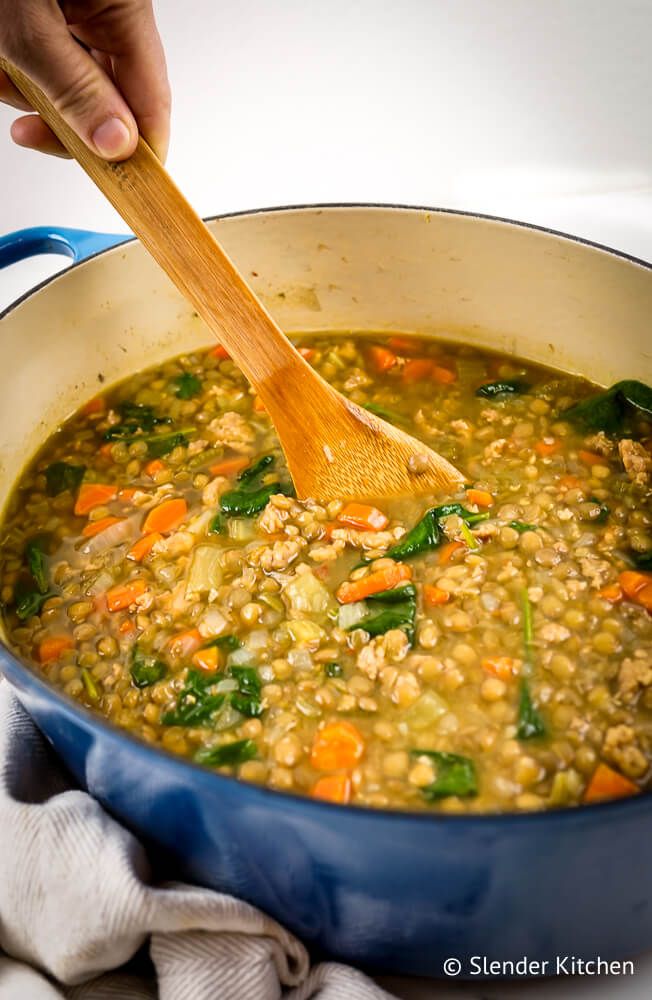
(522, 108)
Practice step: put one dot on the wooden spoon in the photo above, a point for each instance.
(333, 447)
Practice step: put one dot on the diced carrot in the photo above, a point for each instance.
(93, 495)
(547, 447)
(637, 587)
(127, 493)
(328, 529)
(338, 745)
(53, 646)
(363, 516)
(184, 644)
(142, 548)
(166, 517)
(332, 788)
(127, 627)
(417, 370)
(95, 405)
(591, 457)
(229, 466)
(107, 449)
(612, 593)
(445, 376)
(373, 583)
(259, 406)
(503, 667)
(123, 595)
(95, 527)
(570, 482)
(220, 352)
(434, 596)
(606, 783)
(207, 659)
(482, 498)
(381, 359)
(403, 345)
(156, 465)
(307, 353)
(448, 550)
(99, 603)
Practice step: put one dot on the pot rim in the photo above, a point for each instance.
(201, 774)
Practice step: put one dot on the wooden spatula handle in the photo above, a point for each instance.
(144, 194)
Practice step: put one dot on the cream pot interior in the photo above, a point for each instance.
(546, 297)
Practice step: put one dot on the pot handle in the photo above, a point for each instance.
(75, 243)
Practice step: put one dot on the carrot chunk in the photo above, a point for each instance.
(417, 370)
(434, 596)
(127, 493)
(106, 450)
(403, 345)
(503, 667)
(259, 406)
(207, 659)
(482, 498)
(338, 745)
(637, 587)
(549, 446)
(52, 647)
(448, 550)
(95, 405)
(591, 457)
(612, 593)
(126, 627)
(95, 527)
(142, 548)
(381, 359)
(166, 517)
(332, 788)
(307, 353)
(184, 644)
(362, 516)
(123, 595)
(229, 466)
(92, 495)
(445, 376)
(570, 482)
(220, 352)
(156, 465)
(373, 583)
(606, 783)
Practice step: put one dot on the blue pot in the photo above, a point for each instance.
(398, 892)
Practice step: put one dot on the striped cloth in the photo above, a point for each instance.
(76, 904)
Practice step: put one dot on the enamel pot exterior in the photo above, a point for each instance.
(393, 891)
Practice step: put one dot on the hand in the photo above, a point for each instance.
(108, 88)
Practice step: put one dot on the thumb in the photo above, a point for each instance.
(76, 84)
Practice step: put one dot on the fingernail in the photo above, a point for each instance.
(112, 138)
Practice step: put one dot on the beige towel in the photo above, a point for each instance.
(76, 904)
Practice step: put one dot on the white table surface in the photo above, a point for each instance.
(531, 111)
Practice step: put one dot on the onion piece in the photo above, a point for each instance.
(115, 534)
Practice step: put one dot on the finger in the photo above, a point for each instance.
(131, 43)
(77, 86)
(32, 132)
(9, 95)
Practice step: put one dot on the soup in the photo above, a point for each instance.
(484, 651)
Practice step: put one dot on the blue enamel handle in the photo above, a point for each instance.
(75, 243)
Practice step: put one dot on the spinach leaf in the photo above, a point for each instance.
(425, 535)
(528, 625)
(333, 670)
(385, 413)
(228, 642)
(227, 753)
(186, 385)
(62, 476)
(609, 411)
(522, 527)
(252, 473)
(530, 723)
(389, 616)
(196, 704)
(604, 511)
(162, 444)
(134, 417)
(145, 669)
(247, 503)
(247, 698)
(407, 592)
(455, 775)
(30, 602)
(37, 562)
(507, 387)
(217, 524)
(642, 560)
